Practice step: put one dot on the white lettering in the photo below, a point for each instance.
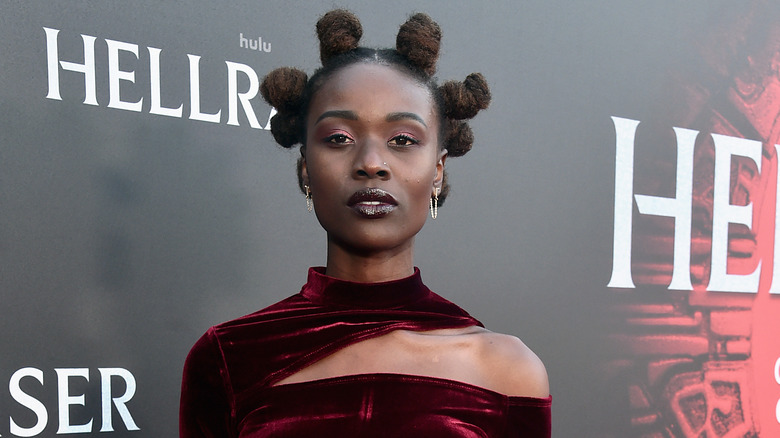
(234, 96)
(777, 371)
(115, 75)
(625, 131)
(195, 113)
(678, 207)
(87, 68)
(777, 379)
(65, 400)
(119, 402)
(724, 213)
(253, 44)
(29, 402)
(154, 73)
(774, 287)
(777, 411)
(271, 116)
(109, 377)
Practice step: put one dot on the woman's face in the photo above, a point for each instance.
(372, 158)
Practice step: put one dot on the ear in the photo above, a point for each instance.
(304, 172)
(439, 177)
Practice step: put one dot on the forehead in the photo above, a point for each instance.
(373, 88)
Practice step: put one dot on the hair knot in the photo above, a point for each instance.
(419, 40)
(339, 31)
(458, 138)
(463, 100)
(283, 88)
(286, 128)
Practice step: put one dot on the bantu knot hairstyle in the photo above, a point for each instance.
(283, 88)
(419, 40)
(339, 32)
(290, 90)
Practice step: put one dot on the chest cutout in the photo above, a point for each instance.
(452, 354)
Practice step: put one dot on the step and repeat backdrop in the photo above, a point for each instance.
(617, 213)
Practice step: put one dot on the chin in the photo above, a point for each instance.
(364, 242)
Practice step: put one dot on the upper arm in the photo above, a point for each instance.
(204, 409)
(513, 367)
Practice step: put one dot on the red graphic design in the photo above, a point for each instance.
(701, 363)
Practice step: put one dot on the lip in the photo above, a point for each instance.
(372, 202)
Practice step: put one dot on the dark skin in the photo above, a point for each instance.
(372, 128)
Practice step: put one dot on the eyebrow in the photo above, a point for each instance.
(340, 114)
(350, 115)
(394, 117)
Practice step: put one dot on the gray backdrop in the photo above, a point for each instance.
(124, 235)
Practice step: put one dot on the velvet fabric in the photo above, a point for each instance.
(228, 385)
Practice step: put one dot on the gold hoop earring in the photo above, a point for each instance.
(434, 202)
(309, 202)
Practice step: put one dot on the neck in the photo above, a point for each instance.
(372, 267)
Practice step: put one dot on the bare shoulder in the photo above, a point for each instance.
(510, 366)
(495, 361)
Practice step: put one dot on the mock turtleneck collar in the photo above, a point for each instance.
(322, 289)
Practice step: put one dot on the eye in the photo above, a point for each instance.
(403, 140)
(339, 138)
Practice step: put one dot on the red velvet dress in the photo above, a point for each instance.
(228, 387)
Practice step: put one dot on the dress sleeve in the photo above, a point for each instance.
(529, 417)
(205, 409)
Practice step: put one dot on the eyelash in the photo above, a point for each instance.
(339, 135)
(411, 141)
(341, 138)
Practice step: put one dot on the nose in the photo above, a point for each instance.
(370, 161)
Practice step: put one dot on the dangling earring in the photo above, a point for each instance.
(434, 201)
(309, 203)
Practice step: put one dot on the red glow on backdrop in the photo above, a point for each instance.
(702, 362)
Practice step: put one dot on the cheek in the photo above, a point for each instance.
(421, 187)
(323, 172)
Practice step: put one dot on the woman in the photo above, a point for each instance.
(365, 349)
